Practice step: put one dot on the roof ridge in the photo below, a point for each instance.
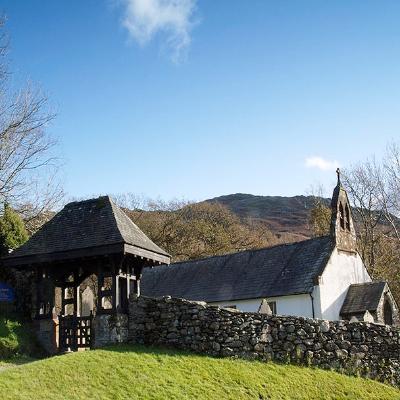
(71, 203)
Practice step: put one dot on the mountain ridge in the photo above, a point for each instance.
(283, 215)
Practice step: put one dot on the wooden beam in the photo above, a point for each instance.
(76, 294)
(64, 256)
(137, 251)
(128, 285)
(38, 282)
(100, 283)
(115, 293)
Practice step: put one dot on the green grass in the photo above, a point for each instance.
(17, 339)
(134, 372)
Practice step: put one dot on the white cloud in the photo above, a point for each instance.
(321, 164)
(175, 18)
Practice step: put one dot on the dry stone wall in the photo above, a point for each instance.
(369, 350)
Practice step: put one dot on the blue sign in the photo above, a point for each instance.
(6, 293)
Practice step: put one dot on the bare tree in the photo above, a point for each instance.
(364, 185)
(374, 189)
(28, 164)
(390, 188)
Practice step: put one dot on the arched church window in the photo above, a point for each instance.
(347, 217)
(387, 313)
(341, 215)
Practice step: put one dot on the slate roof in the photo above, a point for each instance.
(274, 271)
(362, 297)
(89, 224)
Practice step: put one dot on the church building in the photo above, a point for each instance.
(323, 277)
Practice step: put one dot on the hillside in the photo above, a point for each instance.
(286, 216)
(132, 372)
(282, 215)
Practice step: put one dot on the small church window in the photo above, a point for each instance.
(341, 215)
(347, 217)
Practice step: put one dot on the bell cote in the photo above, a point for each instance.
(342, 225)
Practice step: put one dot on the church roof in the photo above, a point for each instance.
(275, 271)
(362, 297)
(89, 227)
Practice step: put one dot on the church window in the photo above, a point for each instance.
(347, 217)
(341, 215)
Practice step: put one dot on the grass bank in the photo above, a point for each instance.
(134, 372)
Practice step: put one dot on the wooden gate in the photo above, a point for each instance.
(75, 332)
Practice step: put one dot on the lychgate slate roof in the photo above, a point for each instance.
(274, 271)
(95, 224)
(362, 297)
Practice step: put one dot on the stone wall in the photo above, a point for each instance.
(110, 329)
(370, 350)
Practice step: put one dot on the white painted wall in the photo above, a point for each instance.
(342, 270)
(285, 305)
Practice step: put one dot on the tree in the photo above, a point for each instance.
(28, 165)
(390, 188)
(195, 230)
(320, 214)
(12, 230)
(320, 219)
(363, 183)
(12, 235)
(374, 190)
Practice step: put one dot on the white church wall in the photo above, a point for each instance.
(285, 305)
(342, 270)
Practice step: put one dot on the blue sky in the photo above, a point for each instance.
(211, 97)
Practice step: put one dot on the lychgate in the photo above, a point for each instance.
(90, 243)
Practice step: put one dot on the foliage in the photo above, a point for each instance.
(17, 339)
(386, 254)
(12, 230)
(133, 372)
(190, 231)
(12, 235)
(320, 219)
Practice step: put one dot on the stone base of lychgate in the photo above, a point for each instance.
(110, 329)
(47, 334)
